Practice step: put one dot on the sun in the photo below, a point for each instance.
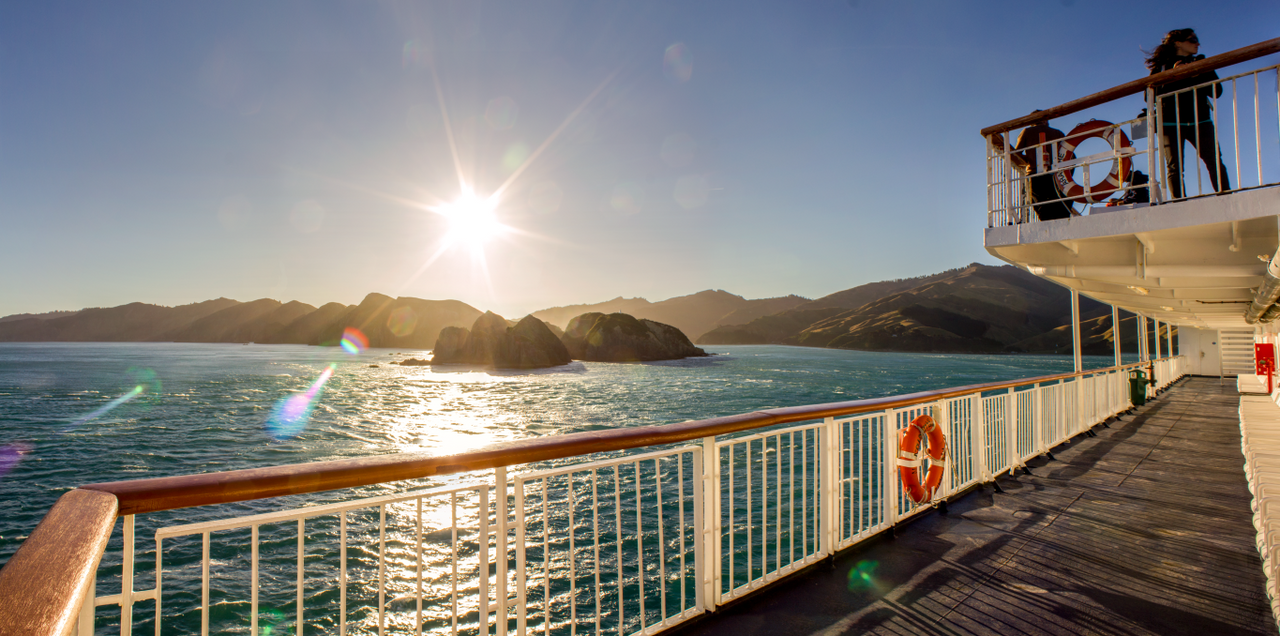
(472, 220)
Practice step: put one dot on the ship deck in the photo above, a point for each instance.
(1144, 529)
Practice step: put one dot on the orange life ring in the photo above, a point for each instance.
(909, 458)
(1106, 131)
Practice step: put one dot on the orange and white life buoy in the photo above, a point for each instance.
(1108, 132)
(909, 459)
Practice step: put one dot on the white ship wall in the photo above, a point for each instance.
(1201, 348)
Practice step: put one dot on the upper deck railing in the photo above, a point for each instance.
(1241, 124)
(569, 533)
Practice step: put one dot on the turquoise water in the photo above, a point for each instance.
(76, 413)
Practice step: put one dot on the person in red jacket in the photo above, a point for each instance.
(1188, 116)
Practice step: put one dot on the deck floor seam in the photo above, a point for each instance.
(1149, 451)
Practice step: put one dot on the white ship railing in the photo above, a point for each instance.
(1245, 120)
(601, 544)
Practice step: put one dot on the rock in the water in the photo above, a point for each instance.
(619, 337)
(673, 339)
(530, 344)
(487, 337)
(412, 362)
(450, 344)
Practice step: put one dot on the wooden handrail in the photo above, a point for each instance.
(167, 493)
(47, 580)
(1137, 86)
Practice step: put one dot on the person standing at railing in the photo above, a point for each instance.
(1189, 115)
(1033, 156)
(1038, 151)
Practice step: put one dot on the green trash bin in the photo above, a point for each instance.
(1138, 387)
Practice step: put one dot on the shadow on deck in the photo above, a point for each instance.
(1144, 529)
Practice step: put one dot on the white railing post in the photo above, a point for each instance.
(85, 624)
(1007, 176)
(1154, 137)
(85, 621)
(980, 439)
(827, 487)
(1011, 435)
(160, 585)
(890, 450)
(126, 580)
(707, 550)
(1064, 411)
(991, 207)
(1117, 391)
(522, 614)
(482, 625)
(500, 549)
(1037, 419)
(1081, 412)
(834, 460)
(942, 416)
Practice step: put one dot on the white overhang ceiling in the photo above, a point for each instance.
(1194, 263)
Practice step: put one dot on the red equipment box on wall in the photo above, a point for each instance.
(1264, 361)
(1264, 358)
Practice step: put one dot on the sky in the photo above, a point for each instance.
(171, 153)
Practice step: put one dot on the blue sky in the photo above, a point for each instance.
(176, 152)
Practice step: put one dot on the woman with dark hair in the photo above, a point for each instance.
(1189, 115)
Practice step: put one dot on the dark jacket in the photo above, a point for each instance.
(1192, 106)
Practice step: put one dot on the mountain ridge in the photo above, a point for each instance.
(693, 314)
(972, 309)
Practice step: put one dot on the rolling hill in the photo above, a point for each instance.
(973, 309)
(976, 309)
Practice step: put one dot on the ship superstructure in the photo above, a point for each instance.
(1198, 250)
(1196, 259)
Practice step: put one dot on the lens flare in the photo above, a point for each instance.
(678, 150)
(234, 212)
(627, 197)
(10, 455)
(292, 414)
(307, 216)
(692, 191)
(269, 620)
(414, 54)
(147, 379)
(514, 157)
(545, 197)
(862, 576)
(677, 63)
(501, 113)
(402, 321)
(104, 409)
(353, 341)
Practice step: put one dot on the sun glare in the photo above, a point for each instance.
(472, 221)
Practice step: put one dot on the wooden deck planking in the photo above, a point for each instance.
(1144, 529)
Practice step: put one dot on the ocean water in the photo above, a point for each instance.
(77, 413)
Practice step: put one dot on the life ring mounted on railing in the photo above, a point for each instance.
(1120, 166)
(909, 459)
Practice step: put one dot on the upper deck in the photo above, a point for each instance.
(1194, 257)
